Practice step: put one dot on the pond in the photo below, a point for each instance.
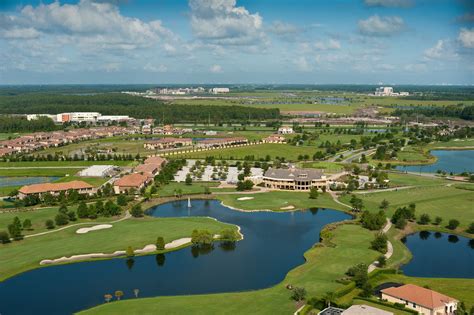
(21, 181)
(456, 161)
(273, 244)
(439, 255)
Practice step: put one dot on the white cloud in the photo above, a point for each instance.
(415, 67)
(303, 65)
(215, 69)
(389, 3)
(441, 50)
(283, 28)
(153, 68)
(222, 22)
(466, 37)
(331, 44)
(381, 26)
(111, 67)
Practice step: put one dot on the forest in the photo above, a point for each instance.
(10, 124)
(455, 111)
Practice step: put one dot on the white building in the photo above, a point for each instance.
(219, 90)
(98, 171)
(107, 118)
(285, 130)
(78, 117)
(388, 91)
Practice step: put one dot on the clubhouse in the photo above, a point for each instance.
(55, 189)
(294, 179)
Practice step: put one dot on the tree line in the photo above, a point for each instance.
(10, 123)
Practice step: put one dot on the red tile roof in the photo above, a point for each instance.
(419, 295)
(54, 187)
(157, 160)
(131, 180)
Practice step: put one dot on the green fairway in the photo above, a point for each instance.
(84, 164)
(447, 202)
(276, 200)
(327, 166)
(23, 255)
(401, 179)
(318, 275)
(195, 188)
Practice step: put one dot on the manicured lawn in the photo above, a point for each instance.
(6, 190)
(55, 172)
(323, 266)
(327, 166)
(23, 255)
(195, 188)
(63, 163)
(276, 200)
(401, 179)
(455, 144)
(94, 181)
(447, 202)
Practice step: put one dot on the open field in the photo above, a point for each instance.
(275, 200)
(63, 163)
(401, 179)
(445, 201)
(23, 255)
(323, 266)
(454, 144)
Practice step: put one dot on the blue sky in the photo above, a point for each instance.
(229, 41)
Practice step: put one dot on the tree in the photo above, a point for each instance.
(61, 219)
(382, 261)
(313, 193)
(424, 219)
(130, 252)
(207, 190)
(380, 243)
(401, 223)
(49, 224)
(4, 238)
(202, 238)
(27, 224)
(229, 235)
(244, 185)
(122, 200)
(107, 297)
(118, 294)
(15, 229)
(82, 211)
(357, 203)
(373, 221)
(188, 179)
(137, 211)
(63, 209)
(160, 243)
(438, 220)
(298, 294)
(470, 229)
(384, 205)
(71, 215)
(453, 224)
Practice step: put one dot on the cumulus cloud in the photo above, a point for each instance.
(389, 3)
(222, 22)
(381, 26)
(442, 50)
(283, 28)
(466, 37)
(215, 69)
(331, 44)
(302, 64)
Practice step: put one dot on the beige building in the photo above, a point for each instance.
(422, 300)
(274, 139)
(132, 181)
(168, 143)
(221, 142)
(56, 188)
(294, 179)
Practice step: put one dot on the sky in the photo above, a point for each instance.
(237, 41)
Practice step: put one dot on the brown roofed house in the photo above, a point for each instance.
(132, 181)
(422, 300)
(149, 170)
(55, 188)
(156, 160)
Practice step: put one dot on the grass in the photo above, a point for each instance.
(194, 188)
(40, 172)
(94, 181)
(447, 202)
(452, 144)
(327, 166)
(24, 255)
(401, 179)
(275, 200)
(63, 163)
(324, 265)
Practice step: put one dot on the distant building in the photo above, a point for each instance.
(274, 139)
(132, 181)
(221, 142)
(294, 179)
(167, 143)
(285, 130)
(98, 171)
(219, 90)
(110, 118)
(422, 300)
(388, 91)
(55, 188)
(78, 117)
(37, 116)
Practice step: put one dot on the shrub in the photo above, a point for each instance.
(401, 223)
(313, 193)
(71, 215)
(382, 261)
(380, 243)
(49, 224)
(27, 224)
(424, 219)
(4, 237)
(160, 243)
(373, 221)
(298, 294)
(438, 220)
(453, 224)
(122, 200)
(470, 229)
(61, 219)
(130, 252)
(229, 235)
(137, 211)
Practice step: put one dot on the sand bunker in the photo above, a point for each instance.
(287, 208)
(245, 198)
(93, 228)
(177, 243)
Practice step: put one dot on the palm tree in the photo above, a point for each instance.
(118, 294)
(136, 291)
(329, 297)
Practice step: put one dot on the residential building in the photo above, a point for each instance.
(131, 181)
(111, 118)
(98, 171)
(168, 143)
(285, 130)
(55, 188)
(274, 139)
(156, 160)
(221, 142)
(294, 179)
(149, 170)
(422, 300)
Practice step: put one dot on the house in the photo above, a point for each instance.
(167, 143)
(422, 300)
(55, 188)
(156, 160)
(274, 139)
(149, 169)
(294, 179)
(285, 130)
(132, 181)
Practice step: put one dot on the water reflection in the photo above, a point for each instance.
(424, 235)
(453, 239)
(130, 262)
(228, 246)
(197, 250)
(160, 260)
(438, 235)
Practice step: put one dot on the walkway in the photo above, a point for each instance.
(382, 190)
(334, 197)
(389, 252)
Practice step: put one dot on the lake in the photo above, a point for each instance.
(456, 161)
(273, 244)
(439, 255)
(21, 181)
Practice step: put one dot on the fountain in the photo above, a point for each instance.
(189, 202)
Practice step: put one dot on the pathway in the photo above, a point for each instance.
(389, 252)
(382, 190)
(334, 197)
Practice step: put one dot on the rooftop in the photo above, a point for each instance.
(131, 180)
(365, 310)
(158, 160)
(294, 173)
(54, 187)
(419, 295)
